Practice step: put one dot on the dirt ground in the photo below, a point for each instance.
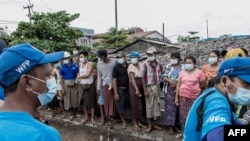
(76, 133)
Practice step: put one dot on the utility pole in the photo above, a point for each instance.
(29, 9)
(116, 23)
(207, 27)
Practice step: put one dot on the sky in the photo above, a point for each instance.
(218, 17)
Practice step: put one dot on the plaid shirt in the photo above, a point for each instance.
(150, 73)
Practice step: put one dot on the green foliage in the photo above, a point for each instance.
(113, 39)
(48, 31)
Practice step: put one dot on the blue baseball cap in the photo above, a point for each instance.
(20, 59)
(237, 66)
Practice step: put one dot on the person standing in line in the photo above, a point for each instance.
(27, 83)
(121, 87)
(191, 82)
(211, 69)
(60, 94)
(170, 80)
(137, 98)
(86, 86)
(105, 69)
(75, 52)
(68, 74)
(151, 71)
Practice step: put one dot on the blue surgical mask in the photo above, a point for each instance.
(120, 60)
(212, 60)
(134, 61)
(151, 58)
(241, 97)
(189, 66)
(46, 97)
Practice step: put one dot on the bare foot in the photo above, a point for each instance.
(84, 120)
(93, 121)
(102, 122)
(149, 129)
(157, 127)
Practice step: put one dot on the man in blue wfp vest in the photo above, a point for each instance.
(206, 122)
(26, 78)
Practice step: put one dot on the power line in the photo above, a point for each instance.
(47, 5)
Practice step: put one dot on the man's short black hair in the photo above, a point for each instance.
(84, 52)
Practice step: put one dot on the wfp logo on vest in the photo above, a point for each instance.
(234, 132)
(216, 119)
(23, 66)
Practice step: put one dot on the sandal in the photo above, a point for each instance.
(124, 127)
(148, 130)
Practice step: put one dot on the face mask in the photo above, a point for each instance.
(242, 96)
(47, 97)
(57, 65)
(173, 61)
(151, 58)
(189, 66)
(65, 61)
(75, 52)
(100, 60)
(82, 60)
(120, 61)
(212, 60)
(134, 61)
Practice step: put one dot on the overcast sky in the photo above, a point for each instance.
(179, 16)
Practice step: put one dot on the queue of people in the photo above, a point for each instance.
(115, 86)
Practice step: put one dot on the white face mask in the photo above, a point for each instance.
(151, 58)
(82, 60)
(189, 66)
(120, 60)
(212, 60)
(134, 61)
(75, 52)
(66, 61)
(173, 61)
(241, 97)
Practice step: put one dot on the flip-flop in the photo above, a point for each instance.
(124, 127)
(178, 136)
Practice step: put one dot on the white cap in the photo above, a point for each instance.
(66, 54)
(151, 50)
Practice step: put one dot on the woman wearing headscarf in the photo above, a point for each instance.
(136, 90)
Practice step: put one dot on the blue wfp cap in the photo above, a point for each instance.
(237, 66)
(20, 59)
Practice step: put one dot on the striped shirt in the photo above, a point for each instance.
(150, 73)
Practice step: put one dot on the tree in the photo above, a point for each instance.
(114, 38)
(48, 31)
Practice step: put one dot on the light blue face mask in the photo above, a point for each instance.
(241, 97)
(100, 60)
(189, 66)
(120, 60)
(134, 61)
(47, 97)
(212, 60)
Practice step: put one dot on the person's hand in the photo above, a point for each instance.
(146, 94)
(116, 97)
(138, 93)
(176, 101)
(63, 92)
(98, 92)
(110, 87)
